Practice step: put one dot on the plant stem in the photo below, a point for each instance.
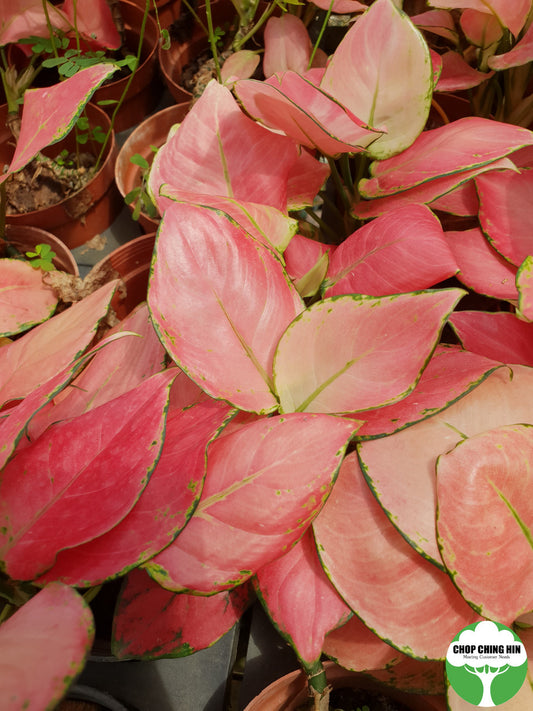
(239, 41)
(212, 38)
(341, 189)
(320, 34)
(50, 29)
(318, 686)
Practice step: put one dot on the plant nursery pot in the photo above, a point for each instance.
(145, 89)
(26, 237)
(167, 10)
(132, 262)
(86, 698)
(87, 212)
(153, 131)
(290, 692)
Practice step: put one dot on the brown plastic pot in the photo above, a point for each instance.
(145, 89)
(289, 692)
(153, 131)
(167, 10)
(25, 238)
(89, 211)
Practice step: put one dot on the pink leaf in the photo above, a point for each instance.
(306, 177)
(355, 647)
(300, 600)
(485, 519)
(341, 6)
(249, 514)
(401, 251)
(480, 28)
(450, 374)
(55, 493)
(151, 622)
(49, 114)
(287, 45)
(415, 676)
(511, 14)
(395, 591)
(43, 646)
(94, 20)
(500, 336)
(457, 75)
(202, 262)
(462, 145)
(439, 22)
(38, 355)
(26, 18)
(165, 506)
(462, 200)
(520, 54)
(239, 65)
(390, 342)
(25, 300)
(304, 254)
(504, 213)
(400, 469)
(366, 75)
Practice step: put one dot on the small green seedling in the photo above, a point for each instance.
(42, 257)
(139, 196)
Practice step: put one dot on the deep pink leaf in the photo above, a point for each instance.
(512, 14)
(224, 341)
(165, 506)
(43, 646)
(306, 178)
(458, 75)
(395, 591)
(520, 54)
(355, 647)
(458, 146)
(450, 374)
(439, 22)
(485, 520)
(40, 354)
(480, 28)
(24, 18)
(404, 250)
(151, 622)
(57, 492)
(25, 300)
(250, 513)
(94, 19)
(306, 262)
(366, 74)
(500, 336)
(317, 368)
(300, 600)
(462, 200)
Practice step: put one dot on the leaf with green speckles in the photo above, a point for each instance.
(524, 283)
(43, 648)
(26, 300)
(152, 622)
(485, 520)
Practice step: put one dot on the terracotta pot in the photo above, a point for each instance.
(26, 237)
(132, 262)
(153, 131)
(87, 212)
(145, 89)
(167, 10)
(81, 698)
(289, 692)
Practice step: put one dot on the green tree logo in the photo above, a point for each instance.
(486, 663)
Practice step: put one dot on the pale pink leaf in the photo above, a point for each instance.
(43, 647)
(58, 492)
(249, 514)
(300, 599)
(287, 45)
(239, 65)
(390, 342)
(366, 74)
(504, 214)
(480, 28)
(485, 520)
(500, 336)
(306, 262)
(401, 468)
(342, 6)
(355, 647)
(306, 178)
(151, 622)
(524, 285)
(458, 75)
(450, 374)
(38, 355)
(439, 22)
(403, 250)
(202, 263)
(26, 18)
(25, 300)
(511, 14)
(458, 146)
(481, 268)
(394, 590)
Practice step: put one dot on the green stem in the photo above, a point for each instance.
(326, 229)
(318, 686)
(239, 42)
(339, 185)
(320, 34)
(212, 38)
(197, 19)
(50, 29)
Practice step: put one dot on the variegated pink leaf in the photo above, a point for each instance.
(481, 268)
(306, 178)
(400, 469)
(480, 28)
(50, 113)
(40, 354)
(61, 490)
(43, 647)
(524, 285)
(458, 146)
(401, 251)
(25, 300)
(307, 262)
(287, 45)
(504, 213)
(500, 336)
(217, 150)
(207, 270)
(450, 374)
(165, 505)
(439, 22)
(462, 201)
(458, 75)
(300, 600)
(511, 14)
(355, 647)
(317, 368)
(293, 104)
(250, 513)
(395, 591)
(520, 54)
(151, 622)
(485, 520)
